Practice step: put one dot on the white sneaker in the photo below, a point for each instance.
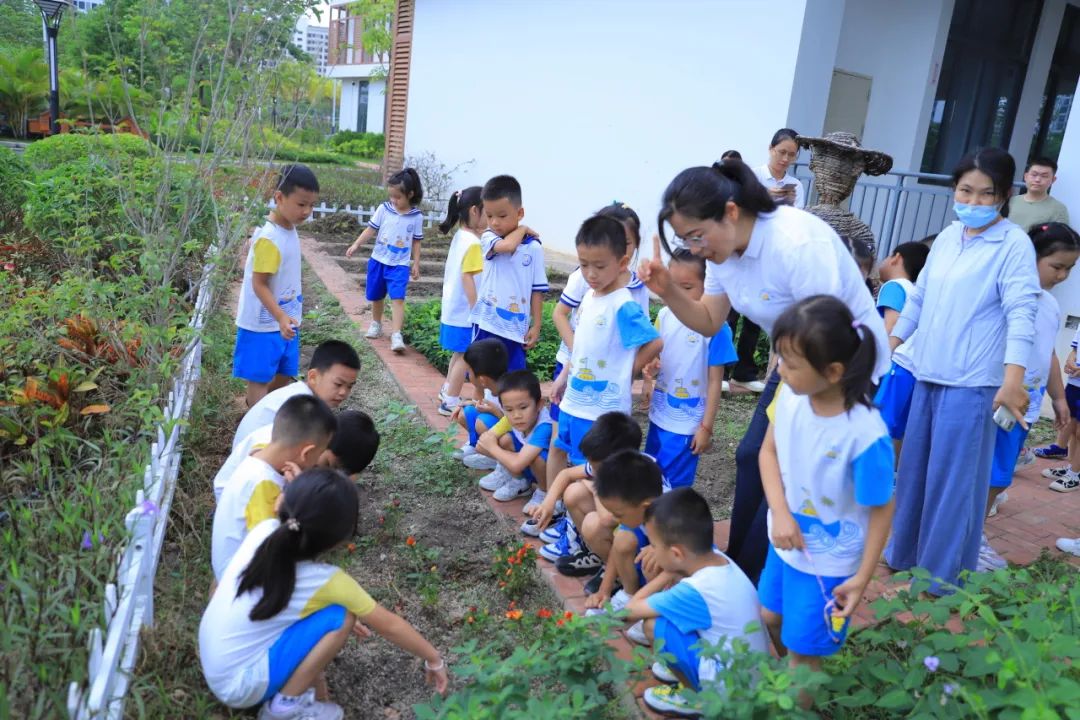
(661, 672)
(534, 502)
(754, 386)
(495, 479)
(1004, 496)
(668, 700)
(1026, 457)
(530, 528)
(989, 559)
(726, 387)
(618, 602)
(636, 633)
(514, 488)
(463, 452)
(442, 392)
(476, 461)
(374, 330)
(306, 708)
(1055, 473)
(397, 343)
(1069, 545)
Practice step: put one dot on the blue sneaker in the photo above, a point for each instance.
(553, 532)
(565, 546)
(1053, 451)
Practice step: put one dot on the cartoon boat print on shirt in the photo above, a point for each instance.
(842, 538)
(398, 247)
(681, 397)
(586, 382)
(512, 313)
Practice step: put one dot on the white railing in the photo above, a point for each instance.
(364, 214)
(129, 602)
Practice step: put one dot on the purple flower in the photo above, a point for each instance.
(148, 507)
(87, 541)
(931, 662)
(949, 688)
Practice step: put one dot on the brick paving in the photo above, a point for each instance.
(1032, 518)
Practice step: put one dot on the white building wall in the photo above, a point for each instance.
(350, 77)
(900, 45)
(1067, 190)
(818, 45)
(590, 101)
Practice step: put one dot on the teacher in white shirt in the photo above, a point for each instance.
(784, 188)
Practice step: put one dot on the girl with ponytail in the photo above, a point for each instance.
(761, 259)
(279, 616)
(463, 262)
(827, 471)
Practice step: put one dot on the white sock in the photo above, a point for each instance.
(451, 400)
(445, 387)
(283, 703)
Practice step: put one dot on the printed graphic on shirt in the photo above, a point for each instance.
(396, 233)
(504, 298)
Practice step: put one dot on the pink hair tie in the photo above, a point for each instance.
(856, 325)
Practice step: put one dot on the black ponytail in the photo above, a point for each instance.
(626, 215)
(703, 193)
(318, 512)
(457, 211)
(409, 182)
(823, 330)
(1053, 237)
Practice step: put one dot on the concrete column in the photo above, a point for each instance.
(1038, 69)
(818, 44)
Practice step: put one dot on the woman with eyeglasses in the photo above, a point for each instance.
(774, 175)
(761, 260)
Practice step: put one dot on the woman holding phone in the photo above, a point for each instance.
(761, 259)
(784, 188)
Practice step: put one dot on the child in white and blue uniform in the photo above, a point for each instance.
(689, 381)
(398, 228)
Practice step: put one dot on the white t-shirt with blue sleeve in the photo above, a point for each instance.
(719, 603)
(611, 328)
(834, 469)
(396, 233)
(575, 290)
(893, 295)
(504, 296)
(682, 385)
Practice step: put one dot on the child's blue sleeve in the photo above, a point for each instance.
(891, 297)
(721, 348)
(377, 217)
(487, 243)
(682, 606)
(635, 329)
(873, 471)
(541, 436)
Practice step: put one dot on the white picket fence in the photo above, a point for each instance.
(129, 602)
(364, 214)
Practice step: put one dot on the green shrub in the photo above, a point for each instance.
(59, 149)
(421, 331)
(14, 177)
(270, 142)
(363, 145)
(357, 187)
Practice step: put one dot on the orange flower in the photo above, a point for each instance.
(543, 613)
(513, 604)
(351, 547)
(568, 615)
(470, 619)
(509, 572)
(514, 614)
(512, 560)
(560, 622)
(410, 541)
(502, 584)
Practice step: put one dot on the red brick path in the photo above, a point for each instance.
(1033, 517)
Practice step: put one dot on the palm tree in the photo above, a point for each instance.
(24, 87)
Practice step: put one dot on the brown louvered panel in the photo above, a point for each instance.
(398, 87)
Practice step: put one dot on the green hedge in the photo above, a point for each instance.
(421, 331)
(14, 177)
(59, 149)
(362, 145)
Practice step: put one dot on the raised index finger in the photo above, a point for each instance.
(656, 246)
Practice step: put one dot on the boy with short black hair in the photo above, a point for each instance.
(485, 362)
(331, 376)
(352, 449)
(510, 295)
(267, 352)
(302, 431)
(1037, 206)
(519, 441)
(713, 601)
(626, 485)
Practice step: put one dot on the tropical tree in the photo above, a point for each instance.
(24, 86)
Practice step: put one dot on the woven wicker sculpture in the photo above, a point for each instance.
(837, 161)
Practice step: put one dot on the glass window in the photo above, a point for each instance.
(361, 106)
(982, 74)
(1060, 87)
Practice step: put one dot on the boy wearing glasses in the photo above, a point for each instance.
(1036, 207)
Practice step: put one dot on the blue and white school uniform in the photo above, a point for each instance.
(464, 258)
(975, 305)
(246, 662)
(505, 294)
(680, 394)
(834, 470)
(247, 499)
(1008, 445)
(538, 437)
(1072, 386)
(893, 397)
(613, 327)
(572, 295)
(712, 607)
(388, 268)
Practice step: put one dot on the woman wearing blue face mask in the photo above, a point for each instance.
(974, 305)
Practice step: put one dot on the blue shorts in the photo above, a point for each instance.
(571, 430)
(1072, 396)
(685, 648)
(1007, 447)
(471, 416)
(383, 280)
(297, 642)
(518, 445)
(642, 542)
(514, 350)
(797, 597)
(893, 399)
(454, 338)
(672, 453)
(553, 407)
(259, 356)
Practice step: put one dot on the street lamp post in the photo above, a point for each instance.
(51, 13)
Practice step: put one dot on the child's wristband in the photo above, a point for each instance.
(436, 668)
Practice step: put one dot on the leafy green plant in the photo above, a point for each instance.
(362, 145)
(14, 177)
(357, 187)
(67, 147)
(515, 569)
(424, 575)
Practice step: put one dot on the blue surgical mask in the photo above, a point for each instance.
(975, 216)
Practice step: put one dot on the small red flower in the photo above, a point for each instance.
(351, 547)
(543, 613)
(514, 614)
(382, 519)
(502, 584)
(472, 609)
(410, 541)
(560, 622)
(397, 503)
(568, 615)
(513, 604)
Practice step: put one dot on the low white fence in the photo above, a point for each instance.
(364, 214)
(129, 602)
